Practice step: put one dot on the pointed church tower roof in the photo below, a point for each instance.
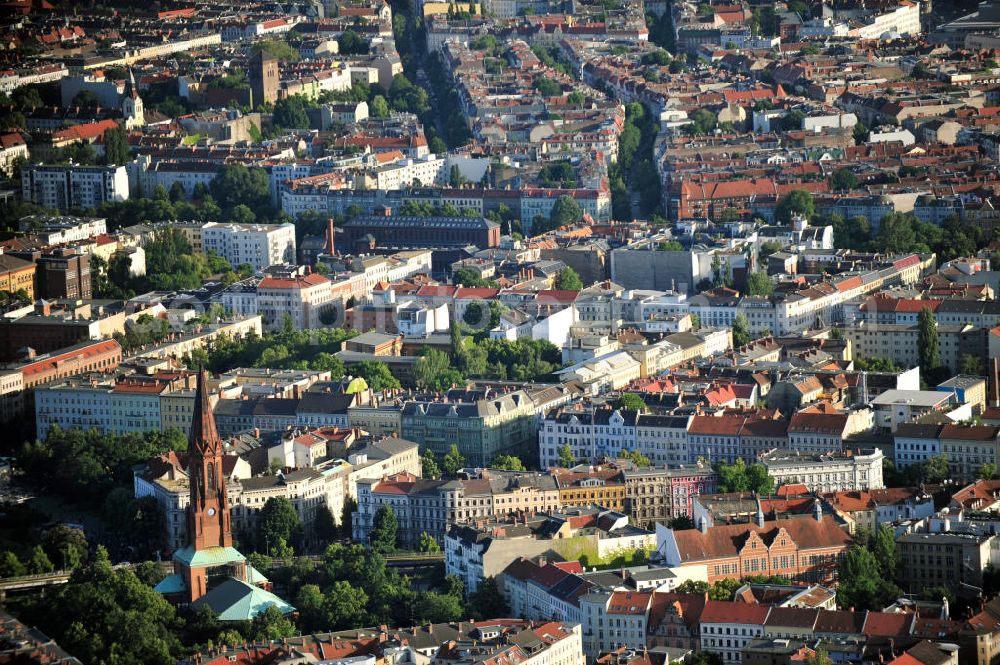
(204, 434)
(133, 88)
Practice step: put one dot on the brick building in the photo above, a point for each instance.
(805, 549)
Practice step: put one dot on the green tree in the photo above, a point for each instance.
(733, 477)
(936, 470)
(897, 233)
(566, 211)
(635, 457)
(290, 112)
(384, 527)
(860, 133)
(987, 471)
(474, 314)
(278, 520)
(347, 517)
(724, 589)
(433, 371)
(488, 601)
(818, 657)
(66, 546)
(324, 524)
(453, 461)
(427, 543)
(760, 482)
(796, 202)
(759, 284)
(862, 586)
(377, 375)
(631, 402)
(428, 465)
(568, 280)
(546, 87)
(970, 364)
(681, 523)
(566, 457)
(278, 49)
(352, 43)
(379, 107)
(11, 566)
(938, 593)
(928, 344)
(693, 586)
(271, 624)
(883, 548)
(116, 150)
(507, 463)
(104, 615)
(431, 607)
(235, 185)
(876, 365)
(741, 330)
(39, 562)
(703, 121)
(843, 180)
(344, 606)
(309, 602)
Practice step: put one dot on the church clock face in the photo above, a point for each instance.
(211, 512)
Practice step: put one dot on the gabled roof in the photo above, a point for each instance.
(721, 611)
(235, 600)
(726, 540)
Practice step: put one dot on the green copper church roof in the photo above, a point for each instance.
(173, 583)
(208, 557)
(234, 600)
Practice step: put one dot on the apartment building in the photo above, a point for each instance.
(801, 548)
(482, 423)
(104, 402)
(294, 295)
(827, 472)
(17, 275)
(72, 186)
(259, 245)
(968, 447)
(485, 548)
(942, 559)
(727, 627)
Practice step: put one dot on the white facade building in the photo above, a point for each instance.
(260, 245)
(73, 186)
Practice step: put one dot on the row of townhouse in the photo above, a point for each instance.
(818, 304)
(880, 310)
(967, 447)
(596, 433)
(484, 548)
(612, 618)
(312, 300)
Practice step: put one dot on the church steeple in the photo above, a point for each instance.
(132, 107)
(208, 513)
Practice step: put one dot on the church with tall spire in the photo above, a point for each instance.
(132, 108)
(209, 570)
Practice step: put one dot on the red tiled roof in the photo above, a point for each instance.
(300, 282)
(887, 624)
(470, 292)
(720, 425)
(721, 611)
(50, 363)
(629, 602)
(725, 540)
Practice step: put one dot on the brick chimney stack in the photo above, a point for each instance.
(329, 236)
(994, 382)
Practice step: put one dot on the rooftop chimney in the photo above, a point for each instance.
(329, 236)
(994, 381)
